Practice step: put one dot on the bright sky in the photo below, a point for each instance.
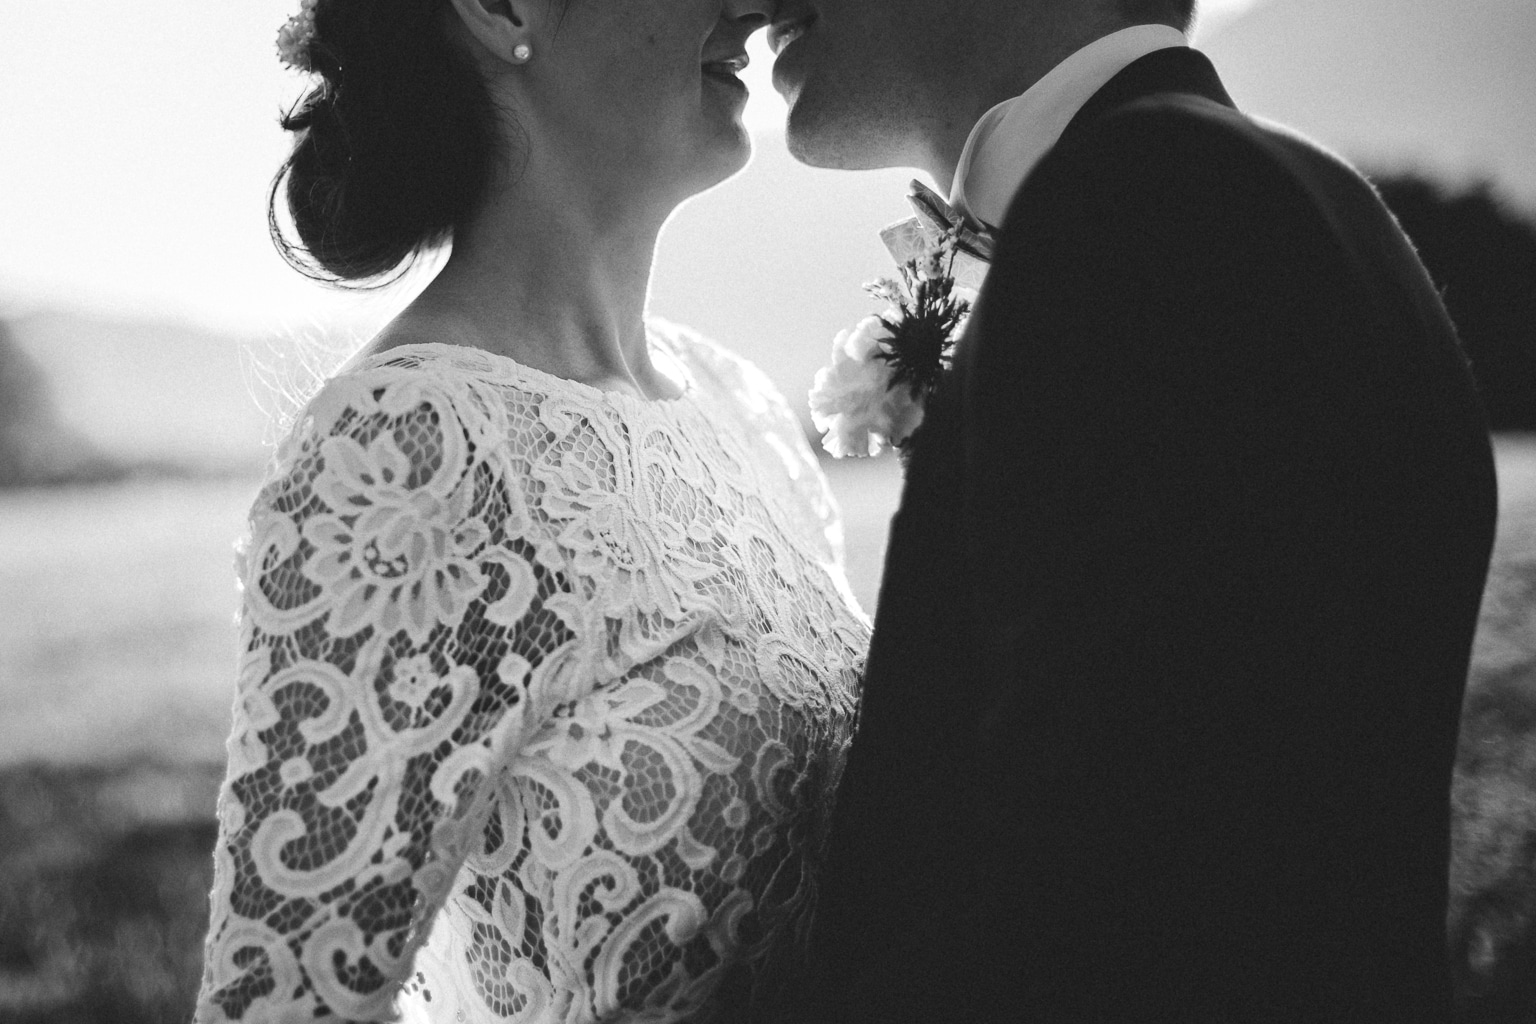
(138, 142)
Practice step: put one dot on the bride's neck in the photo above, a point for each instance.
(555, 278)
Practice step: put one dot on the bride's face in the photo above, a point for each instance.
(638, 95)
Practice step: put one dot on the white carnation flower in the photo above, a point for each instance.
(852, 403)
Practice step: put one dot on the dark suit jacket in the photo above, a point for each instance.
(1163, 697)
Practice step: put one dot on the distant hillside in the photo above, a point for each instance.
(139, 391)
(36, 449)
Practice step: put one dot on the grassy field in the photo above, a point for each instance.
(115, 661)
(1493, 868)
(105, 898)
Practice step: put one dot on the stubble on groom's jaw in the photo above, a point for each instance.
(853, 75)
(885, 83)
(888, 83)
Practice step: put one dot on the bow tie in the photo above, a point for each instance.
(911, 238)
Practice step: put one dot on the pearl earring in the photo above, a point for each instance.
(521, 52)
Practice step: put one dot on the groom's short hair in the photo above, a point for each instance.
(1180, 13)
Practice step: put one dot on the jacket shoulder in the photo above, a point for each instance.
(1200, 161)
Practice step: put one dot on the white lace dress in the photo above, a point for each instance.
(543, 700)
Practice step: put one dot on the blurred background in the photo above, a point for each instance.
(151, 344)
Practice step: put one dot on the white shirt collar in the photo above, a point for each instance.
(1011, 138)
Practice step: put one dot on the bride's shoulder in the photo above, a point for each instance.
(438, 348)
(397, 381)
(424, 399)
(715, 366)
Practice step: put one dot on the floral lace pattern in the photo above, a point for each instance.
(543, 700)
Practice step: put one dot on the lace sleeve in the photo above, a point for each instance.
(398, 628)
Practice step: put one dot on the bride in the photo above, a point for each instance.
(548, 664)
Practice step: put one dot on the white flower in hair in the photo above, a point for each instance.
(294, 37)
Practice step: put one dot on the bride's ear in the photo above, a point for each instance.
(498, 25)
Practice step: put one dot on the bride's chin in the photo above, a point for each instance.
(741, 150)
(725, 157)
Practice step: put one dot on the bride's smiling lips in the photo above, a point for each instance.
(725, 68)
(722, 71)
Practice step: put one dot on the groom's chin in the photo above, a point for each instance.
(813, 125)
(809, 133)
(800, 130)
(818, 140)
(803, 146)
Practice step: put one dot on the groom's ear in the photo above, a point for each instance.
(498, 25)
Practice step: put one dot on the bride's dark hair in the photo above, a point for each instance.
(395, 143)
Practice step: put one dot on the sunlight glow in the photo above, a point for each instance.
(127, 192)
(766, 109)
(1211, 15)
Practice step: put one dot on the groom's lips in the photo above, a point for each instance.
(782, 38)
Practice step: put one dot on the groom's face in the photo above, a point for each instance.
(861, 76)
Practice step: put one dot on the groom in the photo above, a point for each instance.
(1163, 697)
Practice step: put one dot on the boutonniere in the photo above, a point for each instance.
(886, 367)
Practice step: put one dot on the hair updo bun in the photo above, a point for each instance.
(395, 144)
